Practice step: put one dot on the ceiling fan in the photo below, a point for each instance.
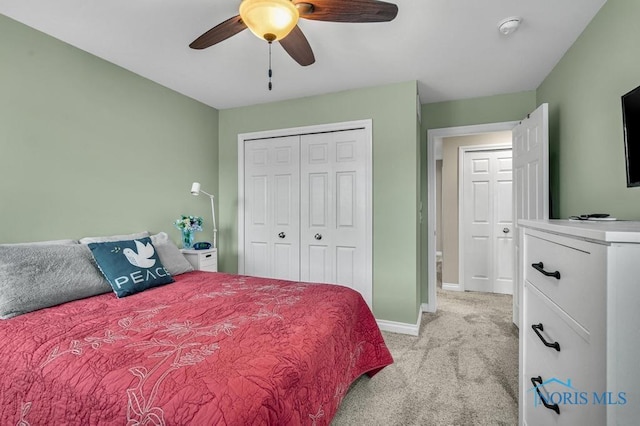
(277, 20)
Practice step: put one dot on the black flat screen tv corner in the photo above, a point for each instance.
(631, 126)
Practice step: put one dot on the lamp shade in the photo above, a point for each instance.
(270, 20)
(195, 190)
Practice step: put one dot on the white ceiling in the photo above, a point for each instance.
(451, 47)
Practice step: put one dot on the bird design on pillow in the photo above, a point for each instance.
(142, 258)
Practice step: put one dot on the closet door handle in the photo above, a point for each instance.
(282, 235)
(318, 236)
(553, 407)
(554, 345)
(540, 268)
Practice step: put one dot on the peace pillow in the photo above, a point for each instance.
(130, 266)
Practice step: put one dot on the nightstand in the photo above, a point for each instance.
(202, 260)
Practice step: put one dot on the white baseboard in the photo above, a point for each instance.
(401, 327)
(428, 307)
(452, 287)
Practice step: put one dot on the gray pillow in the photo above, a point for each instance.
(170, 255)
(110, 238)
(43, 243)
(36, 277)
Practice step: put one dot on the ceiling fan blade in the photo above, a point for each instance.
(347, 10)
(220, 32)
(298, 47)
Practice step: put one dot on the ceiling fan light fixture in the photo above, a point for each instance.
(270, 20)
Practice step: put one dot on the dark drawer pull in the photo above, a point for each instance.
(554, 345)
(553, 407)
(540, 268)
(208, 255)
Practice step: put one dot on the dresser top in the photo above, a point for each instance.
(619, 231)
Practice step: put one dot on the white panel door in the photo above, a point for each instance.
(272, 216)
(503, 258)
(530, 181)
(333, 209)
(487, 220)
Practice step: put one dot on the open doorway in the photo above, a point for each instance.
(435, 144)
(476, 210)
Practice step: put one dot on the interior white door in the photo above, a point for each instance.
(503, 258)
(333, 209)
(487, 220)
(531, 181)
(272, 215)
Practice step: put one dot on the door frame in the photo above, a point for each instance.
(367, 126)
(461, 152)
(435, 136)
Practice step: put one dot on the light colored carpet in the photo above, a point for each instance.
(461, 370)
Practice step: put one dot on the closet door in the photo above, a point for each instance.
(272, 208)
(333, 209)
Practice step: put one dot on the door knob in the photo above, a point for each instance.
(317, 236)
(505, 230)
(282, 235)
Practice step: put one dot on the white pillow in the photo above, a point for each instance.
(170, 255)
(124, 237)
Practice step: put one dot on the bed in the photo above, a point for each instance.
(209, 348)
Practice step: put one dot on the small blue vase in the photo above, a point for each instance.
(187, 239)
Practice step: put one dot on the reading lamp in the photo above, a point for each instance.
(195, 190)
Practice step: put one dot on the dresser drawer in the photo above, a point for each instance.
(581, 412)
(208, 259)
(578, 283)
(572, 374)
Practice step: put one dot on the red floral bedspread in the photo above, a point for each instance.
(209, 349)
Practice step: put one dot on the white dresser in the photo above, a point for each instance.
(579, 323)
(202, 260)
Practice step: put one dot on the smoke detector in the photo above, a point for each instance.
(509, 25)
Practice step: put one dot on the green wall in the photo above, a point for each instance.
(89, 148)
(488, 109)
(585, 115)
(395, 180)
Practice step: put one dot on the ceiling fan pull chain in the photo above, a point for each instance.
(270, 71)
